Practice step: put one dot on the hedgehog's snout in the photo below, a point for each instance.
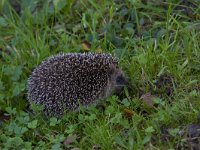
(120, 82)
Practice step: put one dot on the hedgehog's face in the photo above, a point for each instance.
(118, 80)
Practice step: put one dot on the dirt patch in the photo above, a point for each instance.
(164, 85)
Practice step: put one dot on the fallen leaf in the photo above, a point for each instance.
(8, 37)
(86, 46)
(96, 147)
(129, 113)
(147, 98)
(69, 140)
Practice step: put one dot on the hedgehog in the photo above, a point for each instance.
(67, 81)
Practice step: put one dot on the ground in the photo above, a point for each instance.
(158, 46)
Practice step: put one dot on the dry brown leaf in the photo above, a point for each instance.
(86, 46)
(147, 98)
(129, 113)
(7, 37)
(69, 140)
(96, 147)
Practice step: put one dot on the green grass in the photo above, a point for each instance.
(152, 39)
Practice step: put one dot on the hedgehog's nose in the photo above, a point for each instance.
(121, 81)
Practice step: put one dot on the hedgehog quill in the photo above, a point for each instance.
(65, 81)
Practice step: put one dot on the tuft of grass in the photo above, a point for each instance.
(158, 46)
